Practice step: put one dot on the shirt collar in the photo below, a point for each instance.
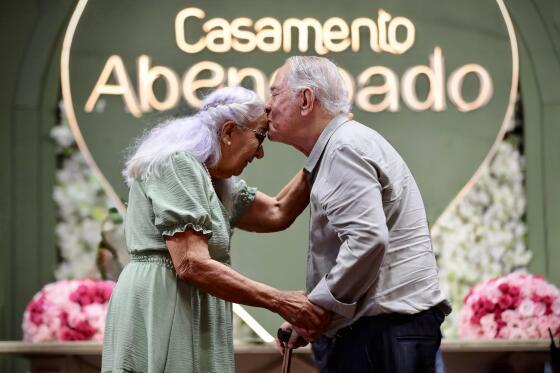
(322, 142)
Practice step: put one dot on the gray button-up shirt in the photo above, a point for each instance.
(370, 250)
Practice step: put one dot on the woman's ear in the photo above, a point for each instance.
(227, 131)
(307, 100)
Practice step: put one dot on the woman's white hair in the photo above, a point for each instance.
(197, 135)
(322, 76)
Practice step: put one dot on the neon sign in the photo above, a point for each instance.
(386, 34)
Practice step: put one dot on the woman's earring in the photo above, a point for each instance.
(228, 142)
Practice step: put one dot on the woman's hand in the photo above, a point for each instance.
(310, 319)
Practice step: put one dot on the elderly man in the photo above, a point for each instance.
(370, 259)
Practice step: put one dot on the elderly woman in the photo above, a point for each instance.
(171, 308)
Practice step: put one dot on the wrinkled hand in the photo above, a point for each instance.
(295, 340)
(309, 319)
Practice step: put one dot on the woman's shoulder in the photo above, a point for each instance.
(184, 158)
(183, 161)
(182, 167)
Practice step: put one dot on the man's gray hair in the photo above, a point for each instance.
(322, 76)
(197, 135)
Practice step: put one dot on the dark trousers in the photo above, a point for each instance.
(392, 343)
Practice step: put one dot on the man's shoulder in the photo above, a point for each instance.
(355, 135)
(364, 141)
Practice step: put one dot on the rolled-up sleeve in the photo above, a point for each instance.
(351, 196)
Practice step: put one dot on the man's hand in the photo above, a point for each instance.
(295, 341)
(308, 318)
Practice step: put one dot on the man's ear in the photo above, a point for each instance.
(227, 131)
(307, 101)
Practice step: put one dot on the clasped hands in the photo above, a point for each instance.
(306, 320)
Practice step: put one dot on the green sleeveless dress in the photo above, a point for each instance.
(157, 322)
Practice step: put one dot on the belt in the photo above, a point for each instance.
(158, 257)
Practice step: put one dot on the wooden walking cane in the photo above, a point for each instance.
(284, 337)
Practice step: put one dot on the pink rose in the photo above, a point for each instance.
(517, 333)
(42, 334)
(514, 290)
(527, 308)
(488, 305)
(508, 315)
(530, 327)
(556, 307)
(539, 309)
(504, 332)
(547, 299)
(475, 319)
(504, 302)
(515, 320)
(489, 326)
(504, 287)
(546, 322)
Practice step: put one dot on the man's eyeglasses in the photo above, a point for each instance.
(260, 135)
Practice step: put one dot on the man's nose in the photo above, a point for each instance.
(260, 152)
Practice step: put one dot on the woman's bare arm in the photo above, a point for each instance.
(192, 262)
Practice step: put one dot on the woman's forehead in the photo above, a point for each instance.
(260, 122)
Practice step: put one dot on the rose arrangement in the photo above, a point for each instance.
(68, 311)
(514, 306)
